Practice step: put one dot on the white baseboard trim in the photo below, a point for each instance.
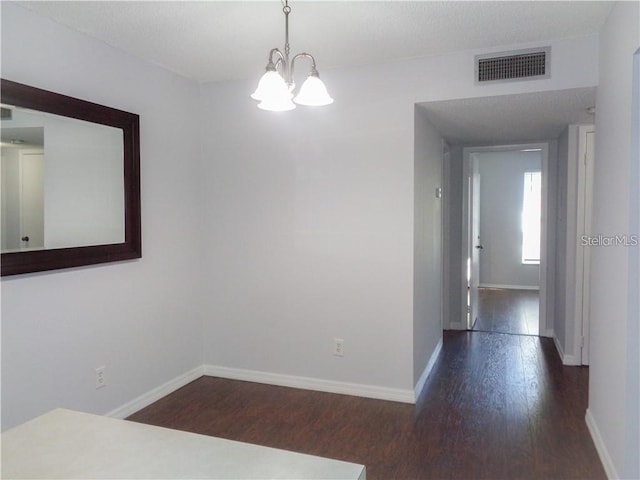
(456, 326)
(307, 383)
(509, 287)
(156, 394)
(548, 333)
(601, 448)
(427, 370)
(569, 360)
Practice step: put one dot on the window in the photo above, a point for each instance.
(531, 217)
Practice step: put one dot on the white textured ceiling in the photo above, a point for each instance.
(216, 40)
(223, 40)
(510, 118)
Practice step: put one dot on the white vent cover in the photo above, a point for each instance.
(530, 64)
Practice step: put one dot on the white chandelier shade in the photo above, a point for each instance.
(313, 93)
(269, 82)
(273, 93)
(275, 88)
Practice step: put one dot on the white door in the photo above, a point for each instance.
(31, 200)
(585, 192)
(474, 243)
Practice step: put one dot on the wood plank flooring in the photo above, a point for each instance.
(507, 311)
(494, 407)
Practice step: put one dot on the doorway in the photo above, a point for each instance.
(504, 276)
(22, 203)
(538, 118)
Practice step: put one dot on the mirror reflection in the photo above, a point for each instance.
(62, 182)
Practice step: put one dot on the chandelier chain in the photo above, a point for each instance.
(287, 10)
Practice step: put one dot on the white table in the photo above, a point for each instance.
(73, 445)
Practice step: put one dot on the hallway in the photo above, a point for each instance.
(502, 310)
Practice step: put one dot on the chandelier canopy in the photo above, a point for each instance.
(275, 88)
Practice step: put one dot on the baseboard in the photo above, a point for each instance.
(601, 448)
(156, 394)
(509, 287)
(569, 360)
(317, 384)
(456, 326)
(427, 370)
(548, 333)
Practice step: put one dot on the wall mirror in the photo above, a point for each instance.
(69, 181)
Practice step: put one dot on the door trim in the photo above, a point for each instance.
(583, 227)
(547, 274)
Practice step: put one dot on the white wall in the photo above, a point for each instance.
(501, 197)
(613, 385)
(277, 232)
(312, 217)
(453, 237)
(427, 243)
(139, 318)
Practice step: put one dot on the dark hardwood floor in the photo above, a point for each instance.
(494, 407)
(507, 311)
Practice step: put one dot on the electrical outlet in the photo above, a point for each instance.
(101, 379)
(338, 347)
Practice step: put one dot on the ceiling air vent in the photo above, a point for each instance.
(530, 64)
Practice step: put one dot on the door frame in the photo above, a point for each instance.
(584, 203)
(472, 256)
(23, 155)
(546, 274)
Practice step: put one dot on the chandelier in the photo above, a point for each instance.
(275, 89)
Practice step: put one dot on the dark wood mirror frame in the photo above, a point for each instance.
(14, 263)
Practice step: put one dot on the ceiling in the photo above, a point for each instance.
(22, 137)
(211, 41)
(222, 40)
(508, 119)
